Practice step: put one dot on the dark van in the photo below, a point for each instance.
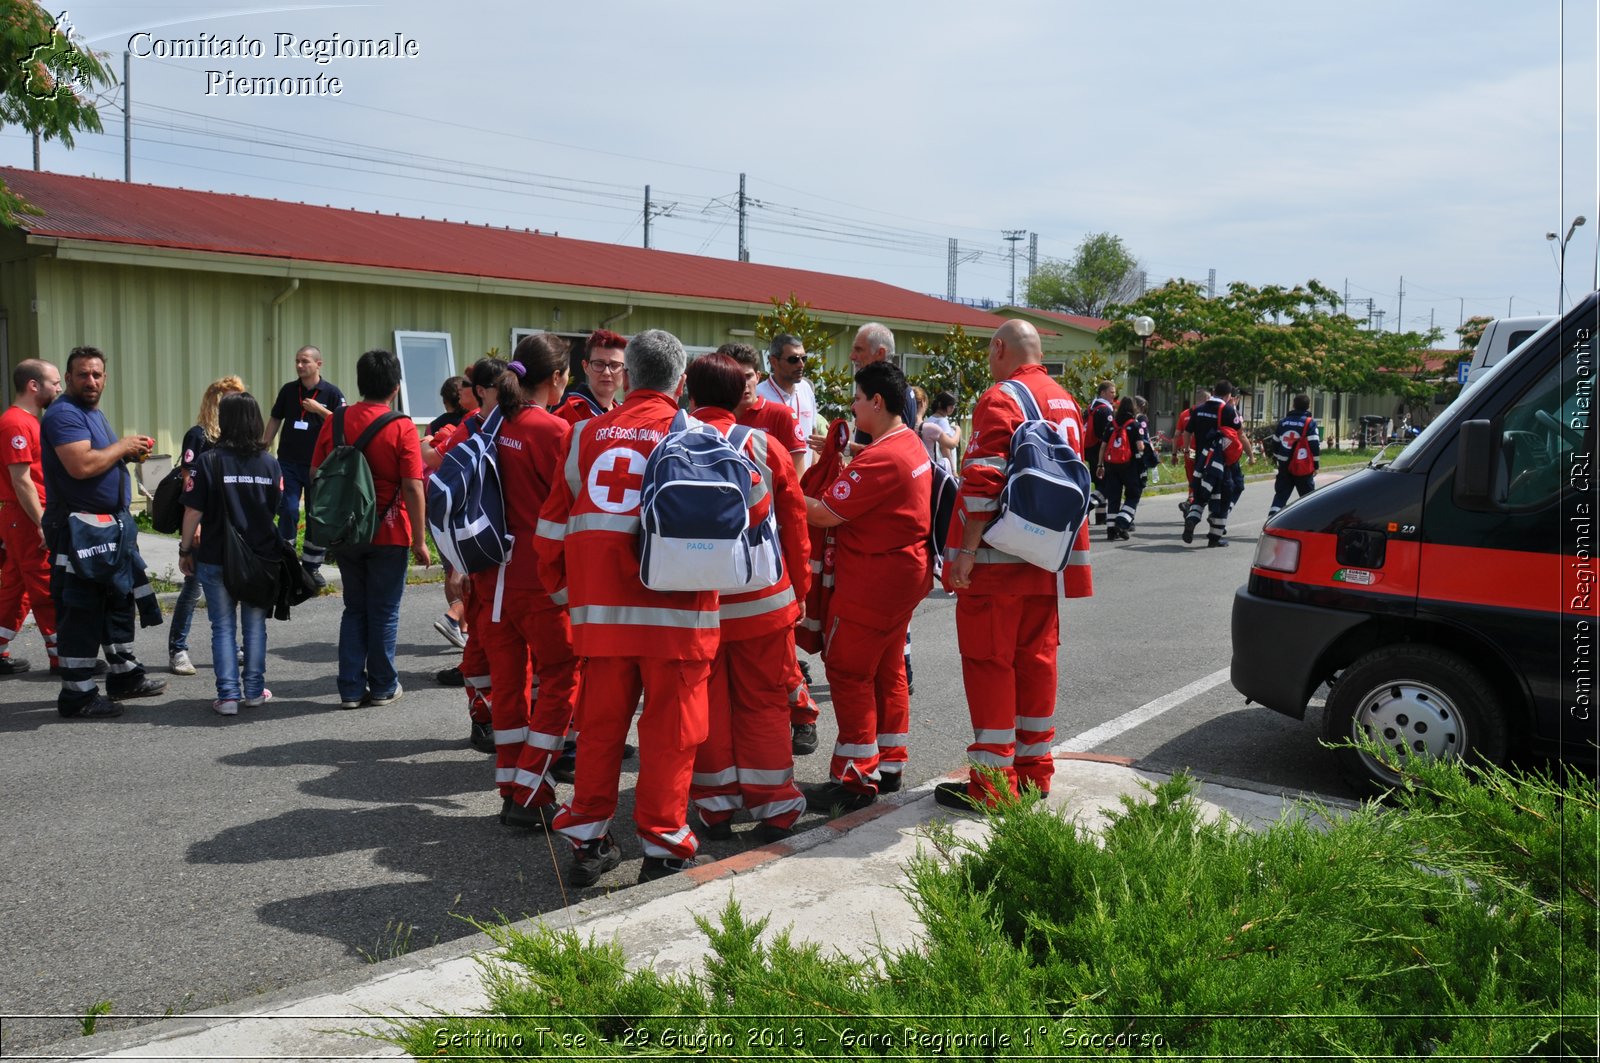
(1448, 596)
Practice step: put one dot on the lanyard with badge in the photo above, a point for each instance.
(303, 424)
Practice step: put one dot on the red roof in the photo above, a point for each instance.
(1092, 324)
(86, 208)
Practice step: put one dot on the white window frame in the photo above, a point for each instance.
(400, 338)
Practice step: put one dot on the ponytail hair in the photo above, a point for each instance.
(536, 361)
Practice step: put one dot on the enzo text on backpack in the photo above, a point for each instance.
(1046, 494)
(1295, 444)
(341, 509)
(466, 504)
(1118, 450)
(694, 514)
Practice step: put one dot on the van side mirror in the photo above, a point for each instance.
(1477, 456)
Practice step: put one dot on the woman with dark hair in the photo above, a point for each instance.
(459, 400)
(199, 439)
(1122, 468)
(524, 633)
(240, 475)
(747, 758)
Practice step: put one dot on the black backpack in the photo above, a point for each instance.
(166, 505)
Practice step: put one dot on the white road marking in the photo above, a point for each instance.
(1096, 736)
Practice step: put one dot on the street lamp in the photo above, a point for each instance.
(1143, 327)
(1562, 263)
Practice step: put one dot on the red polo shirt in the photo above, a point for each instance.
(881, 563)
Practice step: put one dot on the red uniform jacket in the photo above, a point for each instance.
(881, 549)
(588, 541)
(814, 482)
(530, 447)
(983, 475)
(753, 613)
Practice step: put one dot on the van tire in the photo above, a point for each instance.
(1412, 697)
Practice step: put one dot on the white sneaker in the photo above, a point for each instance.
(256, 703)
(225, 708)
(181, 665)
(390, 700)
(447, 626)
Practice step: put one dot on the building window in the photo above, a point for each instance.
(426, 362)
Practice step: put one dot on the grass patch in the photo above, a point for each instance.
(1461, 924)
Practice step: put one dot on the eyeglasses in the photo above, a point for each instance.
(605, 367)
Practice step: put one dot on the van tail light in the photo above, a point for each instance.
(1277, 554)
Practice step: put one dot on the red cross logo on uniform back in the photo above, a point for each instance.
(615, 480)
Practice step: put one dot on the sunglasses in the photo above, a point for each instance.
(795, 359)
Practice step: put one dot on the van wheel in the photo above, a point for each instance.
(1412, 700)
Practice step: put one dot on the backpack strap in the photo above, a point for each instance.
(338, 426)
(1023, 398)
(369, 433)
(737, 435)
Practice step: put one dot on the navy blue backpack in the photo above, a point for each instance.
(694, 514)
(1046, 496)
(466, 505)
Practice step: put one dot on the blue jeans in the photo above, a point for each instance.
(183, 616)
(374, 579)
(227, 616)
(296, 479)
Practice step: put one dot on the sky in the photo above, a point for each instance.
(1436, 141)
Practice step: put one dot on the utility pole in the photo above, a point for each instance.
(1033, 257)
(1012, 236)
(647, 217)
(744, 249)
(36, 152)
(1399, 321)
(1380, 314)
(1463, 322)
(127, 116)
(950, 278)
(1347, 296)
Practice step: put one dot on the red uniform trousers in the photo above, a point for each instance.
(671, 728)
(25, 580)
(747, 760)
(474, 661)
(866, 667)
(802, 707)
(1008, 666)
(532, 666)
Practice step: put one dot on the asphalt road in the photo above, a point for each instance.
(173, 860)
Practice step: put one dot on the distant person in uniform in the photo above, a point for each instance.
(303, 404)
(25, 579)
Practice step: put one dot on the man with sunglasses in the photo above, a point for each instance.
(786, 385)
(604, 380)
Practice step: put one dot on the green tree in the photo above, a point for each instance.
(1471, 331)
(1086, 370)
(1100, 272)
(46, 84)
(793, 317)
(957, 363)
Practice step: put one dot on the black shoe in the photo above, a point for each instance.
(889, 782)
(565, 768)
(148, 687)
(954, 795)
(481, 737)
(1099, 516)
(771, 832)
(1216, 540)
(661, 866)
(591, 860)
(829, 796)
(532, 817)
(98, 708)
(805, 669)
(1189, 525)
(10, 665)
(316, 577)
(450, 677)
(803, 739)
(720, 831)
(1112, 535)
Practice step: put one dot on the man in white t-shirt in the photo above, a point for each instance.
(786, 384)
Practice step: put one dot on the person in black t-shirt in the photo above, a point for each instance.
(238, 474)
(196, 441)
(459, 400)
(302, 405)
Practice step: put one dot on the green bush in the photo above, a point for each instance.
(1460, 924)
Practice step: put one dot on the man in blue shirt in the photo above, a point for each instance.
(83, 474)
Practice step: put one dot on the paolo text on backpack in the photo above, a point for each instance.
(696, 532)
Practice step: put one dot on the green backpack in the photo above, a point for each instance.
(341, 505)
